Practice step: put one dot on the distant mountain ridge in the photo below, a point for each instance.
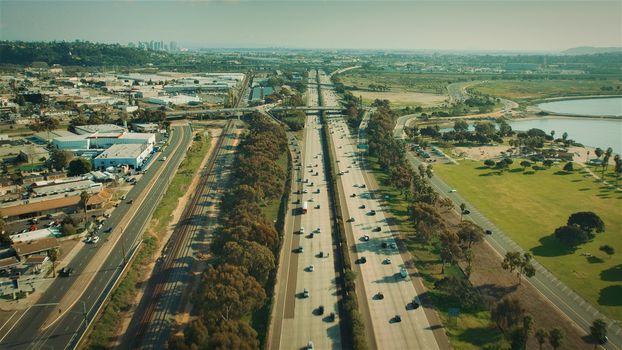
(589, 50)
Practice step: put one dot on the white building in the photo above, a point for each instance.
(101, 128)
(102, 140)
(146, 127)
(133, 155)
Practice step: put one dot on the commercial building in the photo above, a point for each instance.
(101, 128)
(146, 127)
(64, 187)
(102, 140)
(133, 155)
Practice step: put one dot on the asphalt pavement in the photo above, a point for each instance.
(26, 333)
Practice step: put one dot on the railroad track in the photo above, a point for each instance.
(176, 247)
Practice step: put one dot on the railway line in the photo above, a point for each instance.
(172, 271)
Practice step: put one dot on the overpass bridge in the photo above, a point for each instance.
(200, 113)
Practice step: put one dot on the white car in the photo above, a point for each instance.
(311, 268)
(302, 230)
(95, 239)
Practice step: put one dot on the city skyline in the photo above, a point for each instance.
(407, 25)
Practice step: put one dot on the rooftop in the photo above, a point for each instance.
(37, 246)
(123, 151)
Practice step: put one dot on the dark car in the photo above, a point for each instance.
(130, 201)
(488, 232)
(108, 230)
(379, 296)
(373, 212)
(320, 310)
(331, 317)
(377, 229)
(384, 245)
(361, 260)
(66, 271)
(397, 318)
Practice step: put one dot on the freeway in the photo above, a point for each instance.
(298, 318)
(66, 329)
(564, 298)
(391, 299)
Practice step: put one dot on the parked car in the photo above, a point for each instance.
(66, 271)
(95, 239)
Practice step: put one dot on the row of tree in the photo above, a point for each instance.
(244, 246)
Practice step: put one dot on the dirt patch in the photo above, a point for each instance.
(403, 98)
(481, 152)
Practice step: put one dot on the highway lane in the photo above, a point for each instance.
(301, 321)
(565, 299)
(27, 334)
(379, 275)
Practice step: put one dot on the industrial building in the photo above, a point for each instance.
(101, 128)
(133, 155)
(102, 140)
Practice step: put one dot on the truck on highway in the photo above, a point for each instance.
(305, 206)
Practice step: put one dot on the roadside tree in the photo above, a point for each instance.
(555, 338)
(506, 313)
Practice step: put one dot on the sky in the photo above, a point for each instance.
(528, 25)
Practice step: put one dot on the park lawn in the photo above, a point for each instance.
(473, 328)
(529, 206)
(541, 89)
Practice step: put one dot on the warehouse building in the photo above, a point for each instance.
(102, 140)
(102, 128)
(133, 155)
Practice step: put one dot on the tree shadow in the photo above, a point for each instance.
(611, 296)
(494, 291)
(576, 180)
(612, 274)
(584, 189)
(595, 260)
(550, 247)
(530, 172)
(482, 167)
(560, 172)
(516, 170)
(479, 336)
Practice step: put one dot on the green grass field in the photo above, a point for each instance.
(522, 90)
(471, 330)
(529, 206)
(401, 81)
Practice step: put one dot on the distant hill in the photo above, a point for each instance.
(77, 53)
(589, 50)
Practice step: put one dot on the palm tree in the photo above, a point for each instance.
(555, 338)
(53, 255)
(541, 336)
(598, 331)
(618, 167)
(84, 199)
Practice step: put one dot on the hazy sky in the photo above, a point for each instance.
(489, 25)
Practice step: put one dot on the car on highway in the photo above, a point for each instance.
(379, 296)
(351, 220)
(302, 230)
(310, 268)
(488, 232)
(309, 345)
(362, 206)
(366, 238)
(397, 318)
(361, 260)
(300, 249)
(66, 271)
(318, 230)
(377, 229)
(305, 191)
(372, 212)
(353, 195)
(320, 310)
(305, 293)
(452, 191)
(331, 317)
(403, 272)
(386, 261)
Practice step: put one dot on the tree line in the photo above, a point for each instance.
(244, 247)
